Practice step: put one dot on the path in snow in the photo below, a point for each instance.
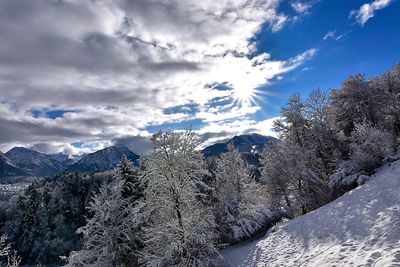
(361, 228)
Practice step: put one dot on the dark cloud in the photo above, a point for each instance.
(137, 144)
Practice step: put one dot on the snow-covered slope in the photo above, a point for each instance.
(8, 168)
(33, 162)
(361, 228)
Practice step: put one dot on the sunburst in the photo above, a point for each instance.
(246, 97)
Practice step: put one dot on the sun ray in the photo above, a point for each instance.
(246, 97)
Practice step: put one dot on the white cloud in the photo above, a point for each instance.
(367, 11)
(329, 35)
(300, 7)
(222, 131)
(334, 35)
(279, 22)
(122, 63)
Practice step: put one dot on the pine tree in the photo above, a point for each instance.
(113, 235)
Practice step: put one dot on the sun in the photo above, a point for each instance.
(245, 97)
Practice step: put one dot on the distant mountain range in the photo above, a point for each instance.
(20, 161)
(33, 162)
(246, 143)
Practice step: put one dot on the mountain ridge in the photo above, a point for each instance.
(28, 162)
(8, 168)
(245, 143)
(33, 162)
(103, 159)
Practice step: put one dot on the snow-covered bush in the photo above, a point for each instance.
(369, 147)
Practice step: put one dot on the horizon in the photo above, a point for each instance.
(87, 75)
(123, 145)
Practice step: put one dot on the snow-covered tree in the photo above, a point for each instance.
(132, 187)
(180, 230)
(357, 102)
(291, 178)
(369, 146)
(240, 208)
(112, 237)
(9, 256)
(293, 123)
(322, 139)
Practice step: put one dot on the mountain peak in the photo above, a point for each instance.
(33, 162)
(249, 143)
(104, 159)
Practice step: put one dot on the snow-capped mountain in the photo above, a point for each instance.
(8, 168)
(244, 143)
(104, 159)
(66, 160)
(33, 162)
(361, 228)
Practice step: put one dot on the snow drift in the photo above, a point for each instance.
(361, 228)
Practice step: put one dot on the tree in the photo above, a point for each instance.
(369, 146)
(356, 102)
(112, 237)
(11, 257)
(294, 123)
(180, 230)
(132, 186)
(240, 210)
(291, 178)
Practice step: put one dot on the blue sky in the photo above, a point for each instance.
(90, 74)
(370, 49)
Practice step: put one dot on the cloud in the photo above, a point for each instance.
(278, 23)
(218, 132)
(119, 65)
(334, 35)
(367, 11)
(300, 7)
(138, 144)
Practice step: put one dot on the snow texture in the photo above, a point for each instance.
(361, 228)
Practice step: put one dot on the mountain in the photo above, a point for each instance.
(244, 143)
(66, 160)
(104, 159)
(361, 228)
(33, 162)
(8, 168)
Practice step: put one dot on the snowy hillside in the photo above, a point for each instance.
(361, 228)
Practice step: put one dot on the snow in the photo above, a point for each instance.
(361, 228)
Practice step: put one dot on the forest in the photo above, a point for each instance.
(177, 208)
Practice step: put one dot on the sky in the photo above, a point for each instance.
(80, 75)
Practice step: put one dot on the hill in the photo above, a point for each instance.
(361, 228)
